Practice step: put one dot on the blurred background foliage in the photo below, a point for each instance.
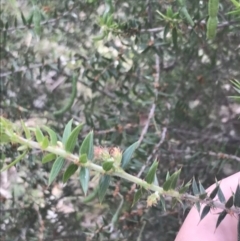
(134, 61)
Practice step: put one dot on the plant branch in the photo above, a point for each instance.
(118, 172)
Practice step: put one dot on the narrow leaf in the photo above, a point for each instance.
(214, 192)
(71, 169)
(127, 155)
(39, 135)
(221, 216)
(84, 177)
(56, 168)
(195, 187)
(45, 142)
(151, 173)
(52, 134)
(72, 139)
(205, 211)
(48, 157)
(175, 37)
(18, 159)
(221, 196)
(201, 188)
(26, 131)
(87, 146)
(23, 19)
(229, 202)
(237, 197)
(174, 178)
(138, 194)
(103, 187)
(67, 131)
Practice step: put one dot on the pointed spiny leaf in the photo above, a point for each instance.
(67, 131)
(71, 169)
(87, 146)
(195, 187)
(56, 168)
(205, 211)
(84, 177)
(221, 216)
(103, 186)
(127, 155)
(72, 139)
(229, 202)
(48, 157)
(214, 192)
(151, 173)
(221, 196)
(138, 194)
(39, 135)
(237, 197)
(52, 134)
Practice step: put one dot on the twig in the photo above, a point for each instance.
(220, 25)
(219, 155)
(163, 136)
(144, 131)
(50, 21)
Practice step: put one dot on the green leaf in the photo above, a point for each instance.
(214, 192)
(166, 30)
(151, 173)
(205, 211)
(171, 181)
(72, 139)
(103, 186)
(84, 177)
(52, 134)
(163, 203)
(221, 196)
(174, 178)
(87, 146)
(221, 216)
(138, 194)
(184, 188)
(18, 159)
(198, 206)
(127, 155)
(195, 187)
(39, 135)
(83, 158)
(229, 202)
(45, 142)
(26, 131)
(22, 148)
(71, 169)
(237, 197)
(107, 165)
(201, 188)
(175, 37)
(67, 131)
(30, 19)
(23, 19)
(56, 168)
(48, 157)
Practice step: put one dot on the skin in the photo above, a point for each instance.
(205, 230)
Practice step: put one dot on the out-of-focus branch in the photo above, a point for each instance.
(153, 155)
